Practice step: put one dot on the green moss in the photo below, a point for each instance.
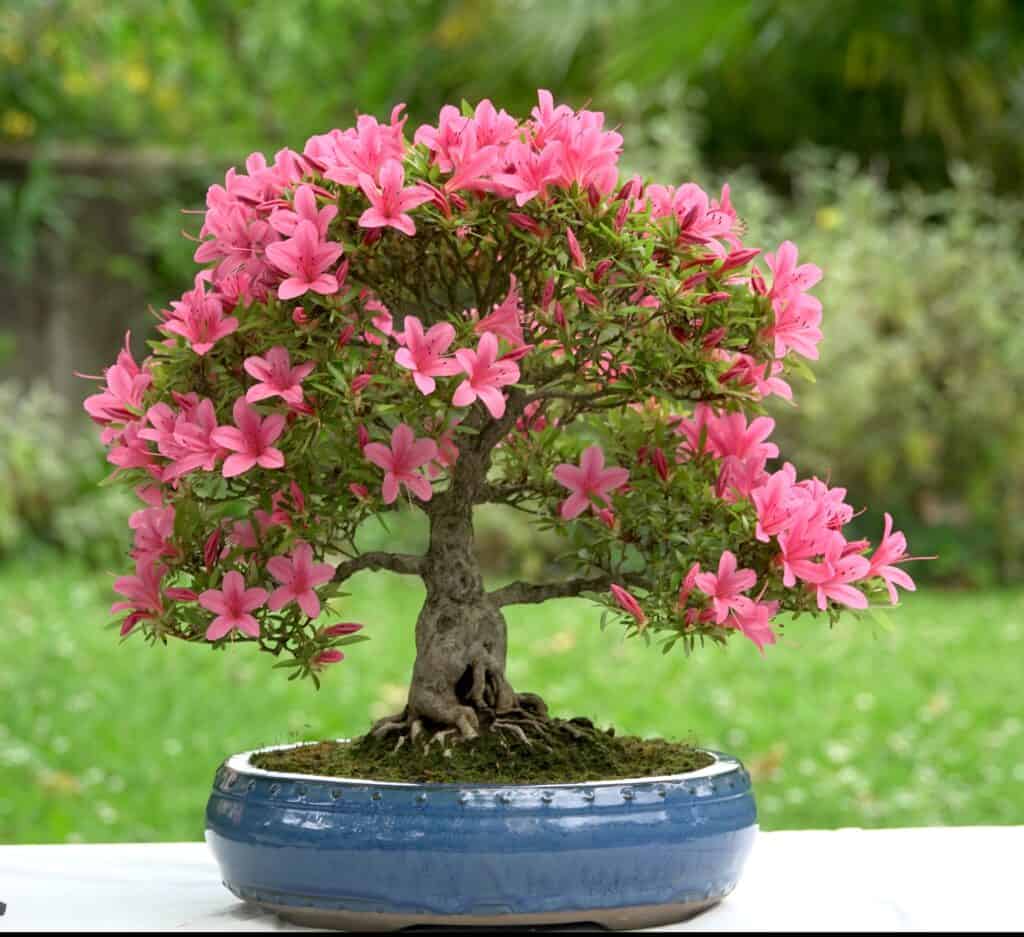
(494, 758)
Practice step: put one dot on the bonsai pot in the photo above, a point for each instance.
(375, 855)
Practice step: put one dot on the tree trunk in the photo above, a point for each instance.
(459, 674)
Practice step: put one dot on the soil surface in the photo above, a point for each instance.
(573, 751)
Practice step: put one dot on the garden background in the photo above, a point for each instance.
(886, 139)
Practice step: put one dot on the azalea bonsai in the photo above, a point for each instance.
(486, 314)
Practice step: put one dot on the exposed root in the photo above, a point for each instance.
(517, 731)
(525, 721)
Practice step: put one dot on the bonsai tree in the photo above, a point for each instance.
(484, 315)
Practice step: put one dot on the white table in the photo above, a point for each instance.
(949, 878)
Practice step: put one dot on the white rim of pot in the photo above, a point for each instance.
(240, 764)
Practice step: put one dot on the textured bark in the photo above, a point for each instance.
(461, 643)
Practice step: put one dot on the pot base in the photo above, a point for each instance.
(375, 855)
(635, 918)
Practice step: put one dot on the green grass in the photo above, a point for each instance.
(101, 742)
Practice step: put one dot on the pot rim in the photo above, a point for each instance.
(240, 764)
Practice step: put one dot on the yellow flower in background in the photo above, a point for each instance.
(167, 97)
(828, 218)
(17, 124)
(76, 84)
(136, 76)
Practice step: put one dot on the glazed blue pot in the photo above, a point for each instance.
(374, 855)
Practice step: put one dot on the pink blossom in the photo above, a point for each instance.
(796, 325)
(485, 376)
(389, 201)
(627, 602)
(748, 372)
(277, 377)
(250, 440)
(142, 592)
(305, 258)
(299, 576)
(532, 172)
(343, 156)
(588, 481)
(304, 208)
(233, 604)
(185, 437)
(423, 353)
(199, 318)
(401, 461)
(724, 588)
(729, 435)
(801, 540)
(154, 533)
(132, 451)
(121, 399)
(754, 620)
(891, 550)
(505, 320)
(244, 533)
(788, 279)
(831, 577)
(700, 220)
(776, 503)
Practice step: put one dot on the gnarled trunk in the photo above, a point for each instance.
(459, 674)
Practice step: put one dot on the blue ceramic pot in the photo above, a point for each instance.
(374, 855)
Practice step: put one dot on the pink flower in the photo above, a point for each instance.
(485, 375)
(801, 540)
(233, 605)
(306, 259)
(422, 354)
(832, 576)
(277, 377)
(343, 156)
(400, 462)
(776, 503)
(796, 326)
(788, 279)
(184, 437)
(142, 591)
(250, 440)
(304, 208)
(532, 172)
(298, 576)
(154, 532)
(126, 382)
(199, 318)
(724, 588)
(588, 481)
(754, 620)
(627, 602)
(389, 201)
(891, 550)
(505, 319)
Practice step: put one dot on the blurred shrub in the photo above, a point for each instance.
(51, 464)
(921, 378)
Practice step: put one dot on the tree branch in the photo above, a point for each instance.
(530, 593)
(407, 564)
